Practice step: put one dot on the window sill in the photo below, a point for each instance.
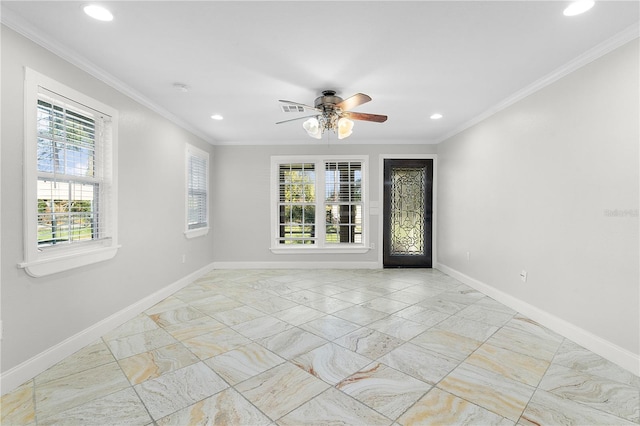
(320, 250)
(70, 260)
(193, 233)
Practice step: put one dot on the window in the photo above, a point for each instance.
(197, 166)
(297, 205)
(70, 185)
(319, 204)
(343, 201)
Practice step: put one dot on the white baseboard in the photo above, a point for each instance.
(604, 348)
(296, 265)
(27, 370)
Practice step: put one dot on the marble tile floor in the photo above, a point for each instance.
(356, 347)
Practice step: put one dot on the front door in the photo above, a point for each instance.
(408, 201)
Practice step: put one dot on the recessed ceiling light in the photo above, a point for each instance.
(98, 12)
(578, 7)
(436, 116)
(217, 117)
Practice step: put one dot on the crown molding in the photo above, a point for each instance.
(587, 57)
(37, 36)
(325, 141)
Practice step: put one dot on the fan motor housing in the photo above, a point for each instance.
(327, 101)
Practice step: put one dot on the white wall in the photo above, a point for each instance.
(39, 313)
(243, 210)
(531, 188)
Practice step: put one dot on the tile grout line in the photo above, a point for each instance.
(537, 387)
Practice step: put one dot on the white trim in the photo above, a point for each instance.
(34, 34)
(193, 233)
(356, 249)
(434, 239)
(585, 58)
(594, 343)
(295, 265)
(59, 263)
(305, 141)
(27, 370)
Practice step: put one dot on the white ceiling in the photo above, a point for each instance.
(462, 59)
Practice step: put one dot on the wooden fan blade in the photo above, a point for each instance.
(298, 103)
(353, 101)
(365, 117)
(297, 118)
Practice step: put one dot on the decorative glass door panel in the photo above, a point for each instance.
(408, 189)
(407, 211)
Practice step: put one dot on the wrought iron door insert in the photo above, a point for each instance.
(408, 189)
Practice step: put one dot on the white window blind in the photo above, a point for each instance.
(72, 184)
(197, 190)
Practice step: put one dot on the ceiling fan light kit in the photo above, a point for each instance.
(345, 127)
(312, 126)
(333, 113)
(315, 127)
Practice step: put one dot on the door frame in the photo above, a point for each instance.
(380, 208)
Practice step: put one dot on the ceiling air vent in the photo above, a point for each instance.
(292, 108)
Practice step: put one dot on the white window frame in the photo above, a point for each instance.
(57, 258)
(192, 151)
(320, 246)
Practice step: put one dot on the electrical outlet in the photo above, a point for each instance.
(468, 256)
(184, 258)
(373, 246)
(523, 276)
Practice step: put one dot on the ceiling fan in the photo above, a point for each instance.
(332, 113)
